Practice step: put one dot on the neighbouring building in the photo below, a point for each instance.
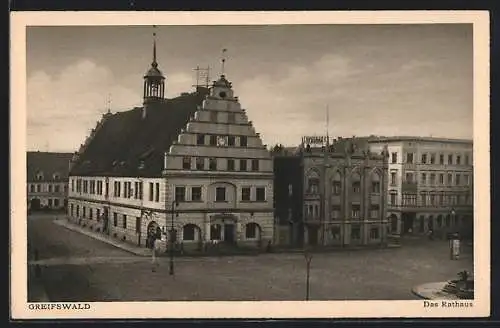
(47, 180)
(430, 184)
(192, 165)
(331, 195)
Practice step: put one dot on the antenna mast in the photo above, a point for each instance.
(202, 77)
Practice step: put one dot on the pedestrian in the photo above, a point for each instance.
(155, 252)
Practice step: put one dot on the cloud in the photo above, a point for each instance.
(64, 107)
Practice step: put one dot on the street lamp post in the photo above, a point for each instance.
(308, 257)
(171, 270)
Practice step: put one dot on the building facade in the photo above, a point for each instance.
(47, 180)
(430, 184)
(192, 167)
(343, 199)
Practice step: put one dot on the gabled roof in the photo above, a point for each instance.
(46, 165)
(125, 139)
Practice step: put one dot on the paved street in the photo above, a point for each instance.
(79, 268)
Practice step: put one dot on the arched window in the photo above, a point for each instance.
(252, 231)
(189, 232)
(336, 184)
(375, 187)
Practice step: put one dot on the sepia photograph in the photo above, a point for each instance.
(239, 162)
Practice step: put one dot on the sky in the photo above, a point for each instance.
(374, 79)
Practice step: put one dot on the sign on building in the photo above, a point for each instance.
(315, 140)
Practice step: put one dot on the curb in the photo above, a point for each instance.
(72, 227)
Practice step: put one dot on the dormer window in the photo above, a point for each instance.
(56, 176)
(39, 176)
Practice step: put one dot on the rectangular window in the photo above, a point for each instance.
(441, 178)
(459, 160)
(220, 194)
(374, 211)
(466, 160)
(441, 199)
(124, 221)
(466, 179)
(57, 188)
(424, 159)
(450, 178)
(196, 194)
(450, 159)
(336, 187)
(200, 163)
(72, 208)
(245, 194)
(137, 224)
(157, 194)
(91, 213)
(393, 178)
(151, 191)
(72, 185)
(50, 202)
(98, 214)
(355, 232)
(200, 139)
(212, 164)
(243, 141)
(423, 198)
(255, 164)
(136, 189)
(119, 184)
(213, 140)
(409, 158)
(423, 178)
(409, 177)
(85, 186)
(243, 164)
(433, 158)
(115, 219)
(260, 194)
(140, 189)
(230, 164)
(393, 198)
(355, 211)
(180, 194)
(394, 158)
(84, 211)
(38, 188)
(231, 141)
(356, 187)
(186, 162)
(231, 117)
(374, 233)
(375, 187)
(432, 198)
(441, 159)
(92, 187)
(50, 188)
(457, 179)
(78, 210)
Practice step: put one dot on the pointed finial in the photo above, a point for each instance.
(223, 60)
(154, 64)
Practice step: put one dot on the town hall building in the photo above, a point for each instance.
(192, 167)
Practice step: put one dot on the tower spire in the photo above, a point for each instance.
(327, 125)
(223, 61)
(154, 64)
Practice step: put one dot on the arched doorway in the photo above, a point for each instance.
(191, 233)
(35, 204)
(253, 231)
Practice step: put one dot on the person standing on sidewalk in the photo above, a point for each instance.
(156, 251)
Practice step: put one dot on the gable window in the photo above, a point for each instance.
(196, 194)
(231, 140)
(245, 194)
(186, 162)
(213, 116)
(151, 191)
(200, 163)
(213, 140)
(212, 164)
(180, 194)
(243, 141)
(255, 164)
(200, 139)
(260, 194)
(220, 194)
(230, 164)
(394, 158)
(157, 195)
(243, 164)
(424, 159)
